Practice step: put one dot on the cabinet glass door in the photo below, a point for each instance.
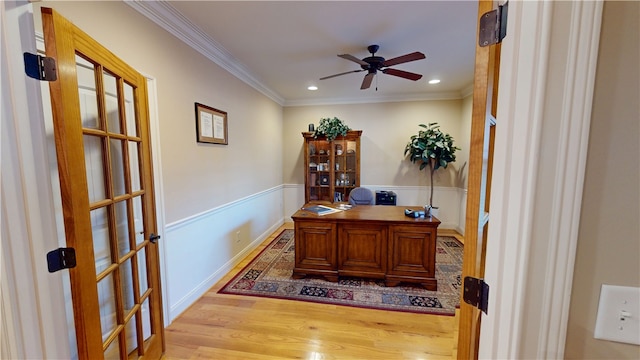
(319, 171)
(345, 174)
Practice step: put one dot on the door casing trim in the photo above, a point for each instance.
(522, 110)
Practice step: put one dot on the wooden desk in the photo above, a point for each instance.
(370, 241)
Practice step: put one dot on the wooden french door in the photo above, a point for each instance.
(100, 116)
(485, 96)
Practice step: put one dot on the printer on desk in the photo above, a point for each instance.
(385, 198)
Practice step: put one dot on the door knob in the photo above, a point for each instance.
(154, 238)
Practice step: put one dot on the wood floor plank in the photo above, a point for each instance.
(222, 326)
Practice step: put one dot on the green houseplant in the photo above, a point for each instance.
(433, 149)
(331, 128)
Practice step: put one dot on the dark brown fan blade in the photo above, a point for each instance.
(402, 74)
(344, 73)
(366, 82)
(404, 58)
(354, 59)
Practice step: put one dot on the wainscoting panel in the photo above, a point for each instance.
(200, 250)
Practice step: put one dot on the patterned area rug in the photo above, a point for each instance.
(269, 275)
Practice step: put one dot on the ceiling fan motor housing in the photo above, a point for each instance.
(375, 63)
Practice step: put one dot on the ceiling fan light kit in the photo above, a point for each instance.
(372, 64)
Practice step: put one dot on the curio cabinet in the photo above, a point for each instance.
(331, 168)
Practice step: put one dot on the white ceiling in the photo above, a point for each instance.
(281, 47)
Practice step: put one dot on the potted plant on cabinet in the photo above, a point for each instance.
(433, 149)
(331, 128)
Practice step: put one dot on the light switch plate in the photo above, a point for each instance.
(618, 316)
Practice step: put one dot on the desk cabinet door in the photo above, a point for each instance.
(362, 250)
(412, 251)
(315, 246)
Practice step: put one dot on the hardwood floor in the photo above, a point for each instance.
(222, 326)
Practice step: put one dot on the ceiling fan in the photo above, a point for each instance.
(374, 63)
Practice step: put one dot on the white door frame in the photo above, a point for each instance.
(25, 191)
(154, 132)
(32, 295)
(523, 108)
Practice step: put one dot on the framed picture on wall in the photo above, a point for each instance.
(211, 125)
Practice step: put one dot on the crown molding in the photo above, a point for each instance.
(168, 18)
(454, 95)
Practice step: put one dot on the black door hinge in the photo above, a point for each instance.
(40, 67)
(493, 26)
(61, 258)
(476, 293)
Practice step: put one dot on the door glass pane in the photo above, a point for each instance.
(117, 166)
(131, 335)
(122, 229)
(100, 233)
(142, 270)
(138, 222)
(107, 299)
(113, 351)
(127, 286)
(129, 110)
(111, 102)
(87, 91)
(93, 158)
(146, 320)
(134, 165)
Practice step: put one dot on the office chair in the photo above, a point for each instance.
(361, 196)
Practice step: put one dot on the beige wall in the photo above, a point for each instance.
(386, 128)
(196, 177)
(608, 242)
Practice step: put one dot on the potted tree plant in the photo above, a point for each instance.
(433, 149)
(331, 128)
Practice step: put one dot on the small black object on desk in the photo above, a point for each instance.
(385, 198)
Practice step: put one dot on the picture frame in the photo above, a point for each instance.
(211, 125)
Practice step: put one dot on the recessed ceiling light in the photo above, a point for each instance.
(312, 87)
(434, 81)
